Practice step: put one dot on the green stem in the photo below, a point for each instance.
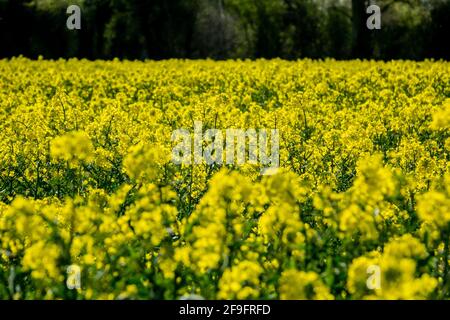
(446, 266)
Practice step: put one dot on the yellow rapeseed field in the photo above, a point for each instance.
(93, 207)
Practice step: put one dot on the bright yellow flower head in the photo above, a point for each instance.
(299, 285)
(74, 147)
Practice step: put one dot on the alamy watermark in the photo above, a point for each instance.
(374, 280)
(211, 147)
(74, 20)
(374, 20)
(73, 277)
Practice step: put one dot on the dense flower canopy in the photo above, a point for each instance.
(86, 179)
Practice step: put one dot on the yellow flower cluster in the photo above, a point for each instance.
(93, 207)
(300, 285)
(240, 281)
(397, 272)
(74, 147)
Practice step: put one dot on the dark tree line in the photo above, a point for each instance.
(222, 29)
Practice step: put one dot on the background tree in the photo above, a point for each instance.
(222, 29)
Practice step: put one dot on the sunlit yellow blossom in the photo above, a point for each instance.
(299, 285)
(357, 209)
(74, 147)
(240, 281)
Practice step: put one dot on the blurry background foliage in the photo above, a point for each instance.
(223, 29)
